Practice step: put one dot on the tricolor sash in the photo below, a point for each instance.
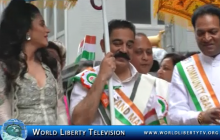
(140, 96)
(149, 98)
(128, 111)
(197, 83)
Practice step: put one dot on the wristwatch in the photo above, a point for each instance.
(200, 118)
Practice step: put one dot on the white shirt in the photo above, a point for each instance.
(153, 74)
(79, 93)
(181, 108)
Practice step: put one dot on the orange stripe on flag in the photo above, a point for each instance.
(206, 81)
(90, 39)
(150, 113)
(131, 104)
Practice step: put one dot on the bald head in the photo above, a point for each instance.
(142, 57)
(141, 41)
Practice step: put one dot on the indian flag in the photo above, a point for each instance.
(86, 49)
(151, 118)
(157, 115)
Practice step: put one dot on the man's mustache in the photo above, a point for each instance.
(121, 54)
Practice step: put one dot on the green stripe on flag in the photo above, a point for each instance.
(188, 86)
(86, 55)
(157, 122)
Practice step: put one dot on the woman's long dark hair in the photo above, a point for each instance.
(52, 45)
(174, 57)
(15, 23)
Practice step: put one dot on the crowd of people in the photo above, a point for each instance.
(183, 91)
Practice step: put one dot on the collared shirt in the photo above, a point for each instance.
(182, 111)
(79, 93)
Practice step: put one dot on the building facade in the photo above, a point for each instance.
(70, 26)
(84, 20)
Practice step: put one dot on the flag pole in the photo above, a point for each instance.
(107, 49)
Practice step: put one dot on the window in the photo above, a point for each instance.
(160, 22)
(141, 12)
(138, 11)
(60, 20)
(50, 20)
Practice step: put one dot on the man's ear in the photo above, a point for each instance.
(102, 44)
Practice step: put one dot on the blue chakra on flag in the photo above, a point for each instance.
(13, 129)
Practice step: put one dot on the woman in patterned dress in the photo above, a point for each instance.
(29, 90)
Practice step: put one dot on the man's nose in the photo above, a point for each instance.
(207, 37)
(123, 48)
(145, 56)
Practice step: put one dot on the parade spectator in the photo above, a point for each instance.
(167, 65)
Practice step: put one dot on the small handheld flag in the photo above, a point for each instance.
(86, 49)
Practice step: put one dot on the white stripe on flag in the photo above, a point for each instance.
(89, 47)
(151, 119)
